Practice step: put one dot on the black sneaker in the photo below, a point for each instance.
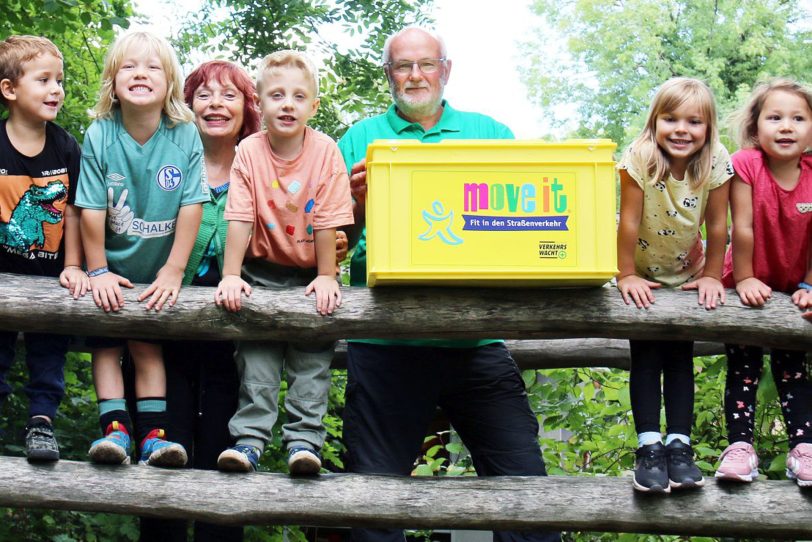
(682, 471)
(650, 469)
(40, 443)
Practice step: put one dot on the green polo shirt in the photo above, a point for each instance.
(453, 124)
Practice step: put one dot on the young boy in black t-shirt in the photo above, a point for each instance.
(39, 226)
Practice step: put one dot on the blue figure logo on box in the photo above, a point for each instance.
(439, 225)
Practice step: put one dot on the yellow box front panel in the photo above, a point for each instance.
(491, 212)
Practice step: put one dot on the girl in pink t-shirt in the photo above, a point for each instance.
(771, 203)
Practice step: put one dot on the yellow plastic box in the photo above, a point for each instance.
(491, 212)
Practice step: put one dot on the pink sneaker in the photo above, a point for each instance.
(739, 463)
(799, 465)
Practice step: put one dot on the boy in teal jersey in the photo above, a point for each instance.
(141, 189)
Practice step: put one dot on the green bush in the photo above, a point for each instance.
(593, 406)
(76, 426)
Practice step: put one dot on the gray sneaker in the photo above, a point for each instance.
(40, 443)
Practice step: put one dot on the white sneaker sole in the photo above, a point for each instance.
(173, 456)
(233, 461)
(733, 477)
(655, 489)
(686, 485)
(108, 453)
(304, 464)
(802, 483)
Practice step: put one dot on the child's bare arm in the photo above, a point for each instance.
(229, 291)
(325, 285)
(750, 289)
(632, 287)
(104, 284)
(709, 285)
(72, 277)
(166, 285)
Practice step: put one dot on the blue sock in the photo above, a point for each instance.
(150, 414)
(109, 405)
(685, 439)
(151, 405)
(648, 437)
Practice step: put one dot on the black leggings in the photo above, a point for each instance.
(744, 364)
(675, 361)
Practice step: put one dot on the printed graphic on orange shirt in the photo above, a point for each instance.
(31, 212)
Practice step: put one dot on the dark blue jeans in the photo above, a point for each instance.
(392, 396)
(45, 357)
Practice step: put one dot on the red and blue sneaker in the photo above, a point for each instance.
(113, 448)
(158, 452)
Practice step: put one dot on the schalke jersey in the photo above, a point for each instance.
(142, 188)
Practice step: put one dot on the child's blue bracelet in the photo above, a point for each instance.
(103, 270)
(805, 286)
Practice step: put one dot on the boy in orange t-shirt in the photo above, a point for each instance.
(289, 192)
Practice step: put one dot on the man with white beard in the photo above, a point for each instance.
(395, 386)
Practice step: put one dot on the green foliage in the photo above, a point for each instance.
(352, 82)
(593, 406)
(75, 427)
(83, 30)
(610, 56)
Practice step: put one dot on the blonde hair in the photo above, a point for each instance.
(17, 50)
(646, 156)
(288, 58)
(174, 106)
(744, 121)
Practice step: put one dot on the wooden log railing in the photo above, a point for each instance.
(35, 304)
(565, 353)
(546, 354)
(771, 509)
(766, 508)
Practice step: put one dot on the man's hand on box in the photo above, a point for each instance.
(358, 181)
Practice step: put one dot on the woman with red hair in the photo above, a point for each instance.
(202, 382)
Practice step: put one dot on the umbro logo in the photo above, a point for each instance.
(116, 177)
(804, 207)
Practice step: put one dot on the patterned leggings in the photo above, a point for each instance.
(744, 364)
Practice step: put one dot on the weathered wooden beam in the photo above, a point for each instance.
(552, 353)
(770, 509)
(565, 353)
(570, 353)
(38, 304)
